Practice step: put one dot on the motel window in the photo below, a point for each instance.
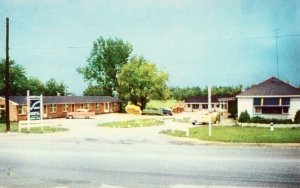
(21, 110)
(271, 105)
(97, 106)
(195, 106)
(53, 108)
(66, 107)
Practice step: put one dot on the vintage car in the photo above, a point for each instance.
(80, 113)
(203, 118)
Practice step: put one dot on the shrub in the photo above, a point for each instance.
(258, 119)
(297, 117)
(2, 116)
(244, 117)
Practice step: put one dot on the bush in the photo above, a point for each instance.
(2, 116)
(244, 117)
(297, 117)
(258, 119)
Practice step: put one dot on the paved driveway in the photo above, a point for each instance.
(89, 130)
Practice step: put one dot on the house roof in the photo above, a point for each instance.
(66, 99)
(201, 99)
(271, 87)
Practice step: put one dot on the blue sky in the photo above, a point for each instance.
(198, 42)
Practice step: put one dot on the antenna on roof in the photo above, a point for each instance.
(276, 30)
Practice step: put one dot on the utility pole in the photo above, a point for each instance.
(7, 78)
(277, 53)
(209, 110)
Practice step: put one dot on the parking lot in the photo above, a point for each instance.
(89, 129)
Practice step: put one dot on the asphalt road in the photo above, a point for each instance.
(92, 156)
(139, 163)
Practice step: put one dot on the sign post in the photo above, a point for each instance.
(34, 107)
(209, 111)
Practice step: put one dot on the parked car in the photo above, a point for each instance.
(156, 111)
(204, 118)
(80, 113)
(167, 111)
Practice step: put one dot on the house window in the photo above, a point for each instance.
(285, 110)
(204, 106)
(258, 110)
(195, 106)
(66, 107)
(189, 105)
(21, 110)
(53, 107)
(2, 107)
(97, 106)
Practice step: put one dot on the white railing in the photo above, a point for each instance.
(36, 123)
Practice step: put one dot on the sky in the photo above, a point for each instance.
(198, 42)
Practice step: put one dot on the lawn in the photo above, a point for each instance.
(243, 134)
(162, 104)
(37, 130)
(134, 123)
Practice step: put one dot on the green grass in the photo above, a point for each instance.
(36, 130)
(134, 123)
(161, 104)
(245, 134)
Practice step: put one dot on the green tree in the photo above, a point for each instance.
(17, 78)
(52, 88)
(93, 91)
(35, 86)
(297, 117)
(244, 117)
(105, 63)
(139, 81)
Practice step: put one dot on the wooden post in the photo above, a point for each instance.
(7, 119)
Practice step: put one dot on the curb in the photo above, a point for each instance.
(209, 143)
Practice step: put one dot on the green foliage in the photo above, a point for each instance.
(163, 103)
(17, 79)
(35, 86)
(93, 91)
(47, 129)
(52, 88)
(20, 83)
(104, 64)
(247, 134)
(139, 82)
(221, 91)
(257, 119)
(297, 117)
(2, 116)
(244, 117)
(134, 123)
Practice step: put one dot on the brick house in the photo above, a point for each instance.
(58, 106)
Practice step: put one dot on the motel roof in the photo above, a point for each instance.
(271, 87)
(21, 100)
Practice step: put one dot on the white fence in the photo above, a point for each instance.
(36, 123)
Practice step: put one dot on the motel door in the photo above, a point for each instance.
(72, 107)
(45, 111)
(106, 107)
